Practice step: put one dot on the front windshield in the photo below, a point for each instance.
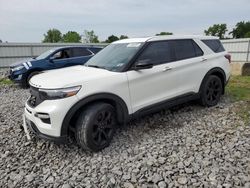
(115, 56)
(45, 54)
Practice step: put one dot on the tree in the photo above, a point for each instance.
(53, 36)
(90, 37)
(163, 33)
(1, 41)
(218, 30)
(123, 37)
(71, 36)
(241, 30)
(112, 38)
(247, 35)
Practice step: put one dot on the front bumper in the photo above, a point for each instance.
(31, 125)
(56, 110)
(17, 76)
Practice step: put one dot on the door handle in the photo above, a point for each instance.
(203, 59)
(167, 69)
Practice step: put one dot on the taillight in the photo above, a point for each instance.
(228, 57)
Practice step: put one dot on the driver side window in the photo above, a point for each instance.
(157, 53)
(62, 54)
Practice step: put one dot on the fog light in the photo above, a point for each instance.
(42, 115)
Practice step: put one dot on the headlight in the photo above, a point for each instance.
(20, 67)
(50, 94)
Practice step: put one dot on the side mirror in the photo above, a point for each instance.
(52, 58)
(143, 64)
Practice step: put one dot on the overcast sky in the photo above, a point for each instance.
(28, 20)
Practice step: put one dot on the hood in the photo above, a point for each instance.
(67, 77)
(21, 62)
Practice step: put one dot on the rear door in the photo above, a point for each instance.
(189, 67)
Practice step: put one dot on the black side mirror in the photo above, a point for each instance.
(52, 58)
(143, 64)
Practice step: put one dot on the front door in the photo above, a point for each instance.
(149, 86)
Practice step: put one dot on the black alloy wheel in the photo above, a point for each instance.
(211, 91)
(95, 126)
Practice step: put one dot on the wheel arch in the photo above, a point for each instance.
(33, 70)
(118, 103)
(217, 71)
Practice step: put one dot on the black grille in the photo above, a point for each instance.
(35, 98)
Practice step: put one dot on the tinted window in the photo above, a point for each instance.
(197, 49)
(157, 52)
(95, 50)
(76, 52)
(214, 45)
(185, 49)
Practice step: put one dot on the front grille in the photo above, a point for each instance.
(35, 98)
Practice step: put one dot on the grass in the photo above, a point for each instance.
(238, 89)
(5, 81)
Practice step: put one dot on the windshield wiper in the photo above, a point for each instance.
(95, 66)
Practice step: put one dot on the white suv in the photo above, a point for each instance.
(127, 79)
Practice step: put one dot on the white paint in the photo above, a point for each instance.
(26, 66)
(29, 63)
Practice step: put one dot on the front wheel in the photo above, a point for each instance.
(211, 91)
(95, 127)
(25, 82)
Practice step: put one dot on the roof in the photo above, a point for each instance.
(164, 37)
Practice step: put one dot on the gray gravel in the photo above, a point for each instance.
(187, 146)
(3, 72)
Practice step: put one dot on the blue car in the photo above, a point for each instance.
(21, 72)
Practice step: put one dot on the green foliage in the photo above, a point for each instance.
(218, 30)
(239, 87)
(5, 81)
(247, 35)
(241, 30)
(71, 36)
(52, 36)
(123, 37)
(163, 33)
(112, 38)
(90, 37)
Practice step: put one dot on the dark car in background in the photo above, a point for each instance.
(55, 58)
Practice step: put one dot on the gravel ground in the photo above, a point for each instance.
(3, 72)
(187, 146)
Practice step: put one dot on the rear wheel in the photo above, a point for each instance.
(95, 126)
(211, 91)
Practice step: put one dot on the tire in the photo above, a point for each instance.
(95, 127)
(211, 91)
(25, 83)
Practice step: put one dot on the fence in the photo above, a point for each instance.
(12, 52)
(238, 48)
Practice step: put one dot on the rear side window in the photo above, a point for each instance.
(185, 49)
(77, 52)
(214, 45)
(157, 53)
(95, 50)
